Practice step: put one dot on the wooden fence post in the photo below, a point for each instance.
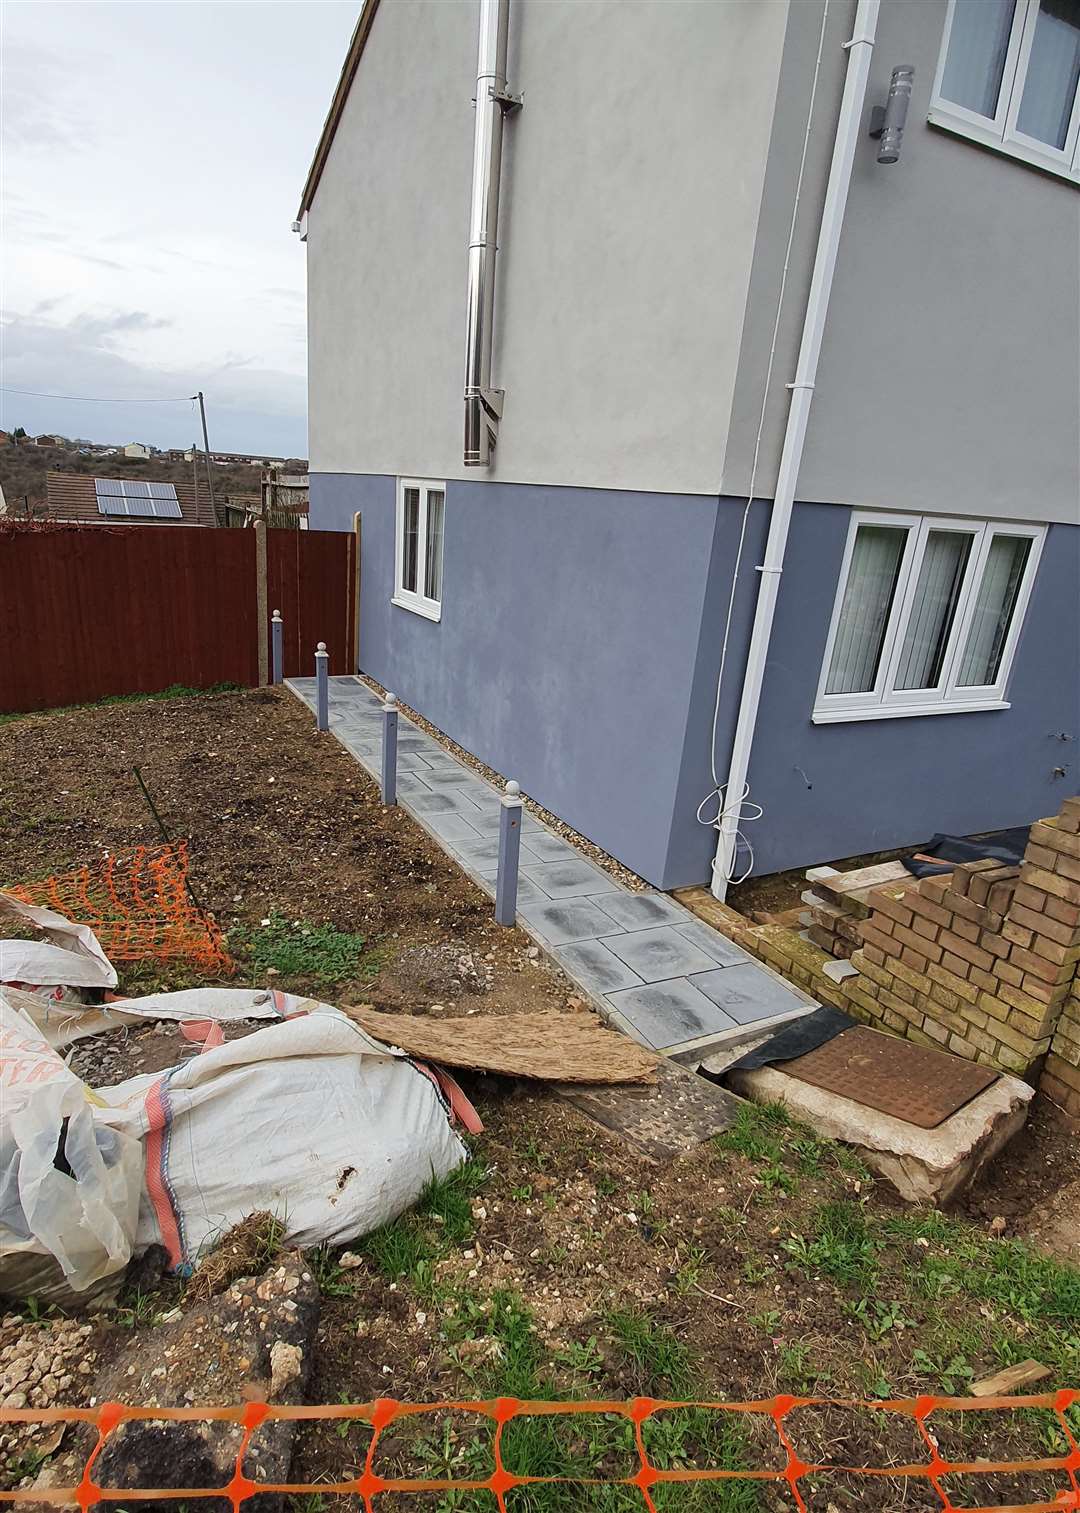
(261, 600)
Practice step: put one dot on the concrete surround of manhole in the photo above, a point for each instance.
(925, 1166)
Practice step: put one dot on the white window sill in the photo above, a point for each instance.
(425, 607)
(902, 711)
(1047, 161)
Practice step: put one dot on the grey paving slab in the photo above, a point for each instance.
(442, 777)
(667, 1013)
(452, 828)
(722, 950)
(592, 964)
(552, 848)
(658, 954)
(560, 921)
(528, 893)
(747, 993)
(409, 784)
(445, 801)
(639, 911)
(573, 879)
(483, 854)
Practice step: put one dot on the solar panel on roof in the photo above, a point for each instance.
(140, 507)
(109, 486)
(166, 509)
(163, 491)
(134, 488)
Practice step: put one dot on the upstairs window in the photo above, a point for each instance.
(927, 616)
(419, 547)
(1009, 76)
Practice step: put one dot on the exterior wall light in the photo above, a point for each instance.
(887, 121)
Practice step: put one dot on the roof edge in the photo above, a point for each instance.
(337, 105)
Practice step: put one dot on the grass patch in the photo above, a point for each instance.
(660, 1362)
(766, 1134)
(317, 953)
(174, 691)
(411, 1246)
(840, 1245)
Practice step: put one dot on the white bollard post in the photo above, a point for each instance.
(322, 687)
(506, 881)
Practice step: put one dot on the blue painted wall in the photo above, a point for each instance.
(566, 653)
(579, 648)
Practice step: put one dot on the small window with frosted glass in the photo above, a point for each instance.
(927, 616)
(418, 569)
(1009, 76)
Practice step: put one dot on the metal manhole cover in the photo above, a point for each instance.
(896, 1077)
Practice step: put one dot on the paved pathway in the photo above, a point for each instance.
(662, 976)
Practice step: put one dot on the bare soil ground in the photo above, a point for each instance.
(559, 1263)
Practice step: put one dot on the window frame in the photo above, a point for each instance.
(884, 700)
(1001, 133)
(405, 598)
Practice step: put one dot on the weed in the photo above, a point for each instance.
(952, 1377)
(768, 1321)
(449, 1199)
(689, 1273)
(657, 1356)
(755, 1132)
(841, 1246)
(583, 1359)
(755, 1270)
(331, 1281)
(774, 1175)
(879, 1319)
(140, 1310)
(26, 1465)
(318, 953)
(606, 1185)
(399, 1249)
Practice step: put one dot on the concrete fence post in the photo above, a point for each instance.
(389, 750)
(322, 686)
(506, 882)
(277, 650)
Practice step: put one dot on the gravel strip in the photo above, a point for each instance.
(601, 858)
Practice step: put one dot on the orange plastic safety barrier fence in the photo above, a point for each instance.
(368, 1486)
(139, 908)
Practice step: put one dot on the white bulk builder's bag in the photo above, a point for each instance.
(310, 1118)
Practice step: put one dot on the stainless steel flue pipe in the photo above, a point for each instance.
(483, 404)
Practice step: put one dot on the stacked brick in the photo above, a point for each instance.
(832, 927)
(1061, 1074)
(982, 961)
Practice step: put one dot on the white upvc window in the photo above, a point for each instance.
(418, 555)
(927, 616)
(1009, 77)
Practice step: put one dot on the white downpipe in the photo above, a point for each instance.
(859, 50)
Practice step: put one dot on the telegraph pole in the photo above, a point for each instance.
(206, 451)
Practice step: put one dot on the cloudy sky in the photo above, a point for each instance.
(153, 160)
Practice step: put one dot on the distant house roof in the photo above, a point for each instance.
(73, 496)
(337, 105)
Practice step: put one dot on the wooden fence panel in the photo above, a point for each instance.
(102, 610)
(311, 578)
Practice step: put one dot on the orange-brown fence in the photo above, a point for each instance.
(116, 609)
(645, 1482)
